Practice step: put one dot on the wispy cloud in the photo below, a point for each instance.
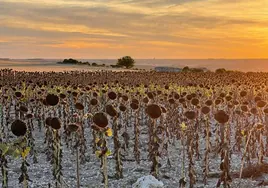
(112, 28)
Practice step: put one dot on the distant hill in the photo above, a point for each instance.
(35, 59)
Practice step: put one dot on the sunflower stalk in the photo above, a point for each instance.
(103, 156)
(4, 171)
(261, 148)
(225, 177)
(24, 177)
(83, 147)
(206, 158)
(244, 154)
(154, 154)
(57, 158)
(117, 150)
(190, 152)
(183, 172)
(136, 143)
(77, 168)
(31, 142)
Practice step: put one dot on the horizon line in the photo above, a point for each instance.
(39, 58)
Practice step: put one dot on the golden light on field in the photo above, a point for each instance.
(143, 29)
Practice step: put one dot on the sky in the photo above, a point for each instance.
(143, 29)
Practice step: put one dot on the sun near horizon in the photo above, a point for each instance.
(190, 29)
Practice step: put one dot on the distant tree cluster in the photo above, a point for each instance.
(126, 62)
(222, 70)
(76, 62)
(218, 71)
(188, 69)
(71, 61)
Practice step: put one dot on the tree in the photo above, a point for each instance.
(126, 61)
(221, 70)
(186, 69)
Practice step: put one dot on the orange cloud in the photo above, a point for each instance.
(143, 28)
(77, 45)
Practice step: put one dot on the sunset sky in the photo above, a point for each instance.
(140, 28)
